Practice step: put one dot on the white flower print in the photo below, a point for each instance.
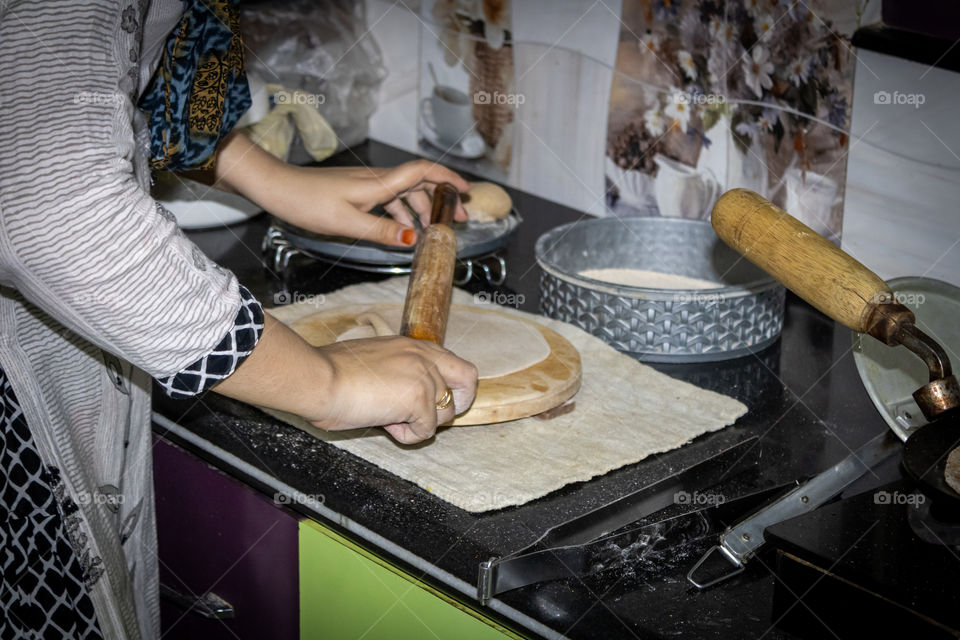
(757, 69)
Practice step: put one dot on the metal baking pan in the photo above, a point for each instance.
(473, 239)
(743, 315)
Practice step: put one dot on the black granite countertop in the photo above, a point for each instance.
(807, 405)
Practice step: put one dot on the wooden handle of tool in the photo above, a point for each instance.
(804, 261)
(427, 304)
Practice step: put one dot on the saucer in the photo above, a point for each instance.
(470, 147)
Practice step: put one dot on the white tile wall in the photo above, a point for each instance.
(396, 26)
(901, 214)
(903, 180)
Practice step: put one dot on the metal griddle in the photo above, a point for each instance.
(474, 239)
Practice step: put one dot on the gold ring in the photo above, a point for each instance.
(446, 400)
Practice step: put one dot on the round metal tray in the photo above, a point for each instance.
(473, 239)
(742, 316)
(892, 374)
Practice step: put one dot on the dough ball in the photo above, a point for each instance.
(952, 474)
(486, 202)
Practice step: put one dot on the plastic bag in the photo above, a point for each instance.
(323, 55)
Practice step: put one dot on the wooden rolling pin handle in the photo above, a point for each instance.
(808, 264)
(444, 205)
(427, 304)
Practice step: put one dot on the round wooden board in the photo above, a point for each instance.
(545, 385)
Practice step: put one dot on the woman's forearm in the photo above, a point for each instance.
(244, 168)
(335, 200)
(393, 382)
(282, 372)
(312, 198)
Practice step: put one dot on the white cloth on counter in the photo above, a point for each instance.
(625, 412)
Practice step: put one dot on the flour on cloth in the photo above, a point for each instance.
(497, 344)
(625, 412)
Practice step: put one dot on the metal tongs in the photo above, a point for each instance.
(741, 542)
(570, 548)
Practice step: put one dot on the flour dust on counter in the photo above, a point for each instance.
(648, 279)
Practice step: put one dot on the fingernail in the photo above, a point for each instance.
(408, 237)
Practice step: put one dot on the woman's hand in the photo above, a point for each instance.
(393, 382)
(335, 200)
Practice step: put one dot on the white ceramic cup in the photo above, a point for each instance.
(448, 113)
(683, 192)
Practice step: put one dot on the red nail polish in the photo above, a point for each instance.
(408, 237)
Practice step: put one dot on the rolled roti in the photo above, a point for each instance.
(496, 343)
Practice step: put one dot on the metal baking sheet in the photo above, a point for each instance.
(473, 239)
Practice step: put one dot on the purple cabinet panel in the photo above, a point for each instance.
(216, 534)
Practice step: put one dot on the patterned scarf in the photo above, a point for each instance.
(200, 90)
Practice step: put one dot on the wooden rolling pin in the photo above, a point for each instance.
(427, 305)
(809, 265)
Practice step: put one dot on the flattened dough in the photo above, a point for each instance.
(497, 344)
(648, 279)
(952, 474)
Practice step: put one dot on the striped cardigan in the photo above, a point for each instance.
(99, 290)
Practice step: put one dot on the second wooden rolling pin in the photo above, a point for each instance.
(427, 305)
(835, 283)
(808, 264)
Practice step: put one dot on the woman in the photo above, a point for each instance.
(100, 291)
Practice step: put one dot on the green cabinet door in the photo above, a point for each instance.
(348, 593)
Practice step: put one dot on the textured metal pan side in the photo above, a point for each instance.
(665, 325)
